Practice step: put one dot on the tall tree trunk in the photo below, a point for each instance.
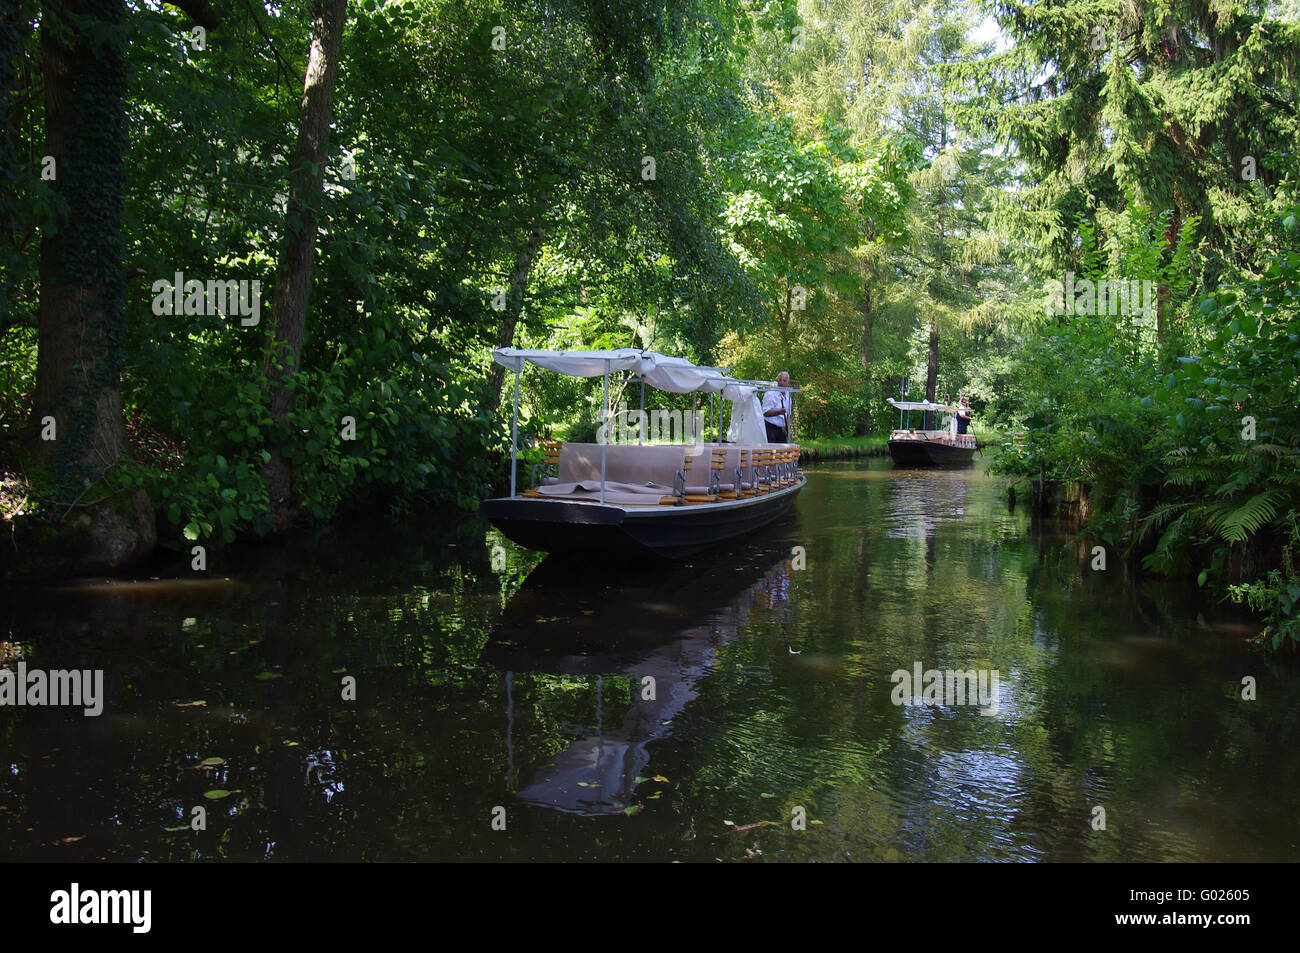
(1162, 292)
(932, 364)
(868, 357)
(82, 315)
(932, 367)
(293, 277)
(12, 34)
(785, 330)
(515, 291)
(76, 425)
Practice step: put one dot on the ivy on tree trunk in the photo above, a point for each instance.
(82, 319)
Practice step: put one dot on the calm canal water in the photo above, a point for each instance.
(493, 685)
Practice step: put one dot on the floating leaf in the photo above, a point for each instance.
(267, 676)
(730, 823)
(174, 830)
(765, 794)
(632, 810)
(660, 778)
(216, 794)
(210, 762)
(657, 794)
(640, 780)
(198, 704)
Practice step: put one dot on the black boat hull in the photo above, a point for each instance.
(922, 453)
(669, 532)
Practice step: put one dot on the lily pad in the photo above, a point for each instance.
(216, 794)
(267, 676)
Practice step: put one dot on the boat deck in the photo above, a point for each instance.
(648, 476)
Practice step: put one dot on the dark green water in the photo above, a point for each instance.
(514, 689)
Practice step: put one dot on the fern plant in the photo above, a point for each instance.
(1232, 461)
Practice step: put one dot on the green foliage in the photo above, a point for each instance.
(1232, 452)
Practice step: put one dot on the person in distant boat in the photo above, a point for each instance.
(776, 411)
(963, 415)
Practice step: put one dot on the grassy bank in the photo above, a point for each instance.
(844, 448)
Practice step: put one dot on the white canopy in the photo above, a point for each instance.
(678, 375)
(674, 374)
(572, 363)
(920, 405)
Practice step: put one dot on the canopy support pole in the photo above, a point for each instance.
(604, 435)
(641, 424)
(514, 433)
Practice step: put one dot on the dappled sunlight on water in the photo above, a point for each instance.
(689, 712)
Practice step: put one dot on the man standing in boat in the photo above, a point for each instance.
(963, 415)
(776, 411)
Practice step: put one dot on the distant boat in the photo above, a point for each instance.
(930, 448)
(670, 500)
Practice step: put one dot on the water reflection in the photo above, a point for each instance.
(480, 686)
(920, 500)
(661, 634)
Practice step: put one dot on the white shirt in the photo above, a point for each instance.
(774, 400)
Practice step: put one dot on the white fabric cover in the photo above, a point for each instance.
(920, 405)
(679, 376)
(572, 363)
(746, 414)
(661, 371)
(674, 374)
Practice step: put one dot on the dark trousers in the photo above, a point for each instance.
(775, 434)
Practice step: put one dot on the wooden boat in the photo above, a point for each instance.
(929, 448)
(635, 499)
